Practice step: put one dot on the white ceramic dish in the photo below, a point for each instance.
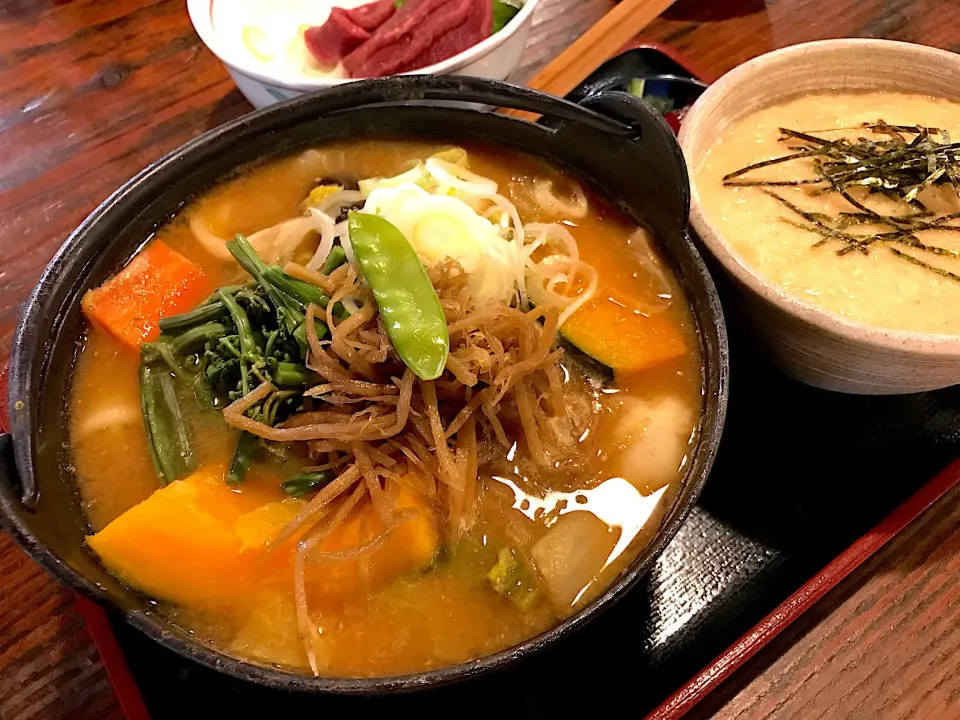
(807, 342)
(495, 58)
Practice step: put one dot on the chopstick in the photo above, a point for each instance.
(598, 44)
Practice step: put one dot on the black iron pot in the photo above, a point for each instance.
(616, 141)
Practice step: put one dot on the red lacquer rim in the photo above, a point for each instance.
(124, 686)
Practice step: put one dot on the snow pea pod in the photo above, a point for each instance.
(408, 304)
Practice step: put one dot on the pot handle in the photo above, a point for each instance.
(9, 478)
(403, 89)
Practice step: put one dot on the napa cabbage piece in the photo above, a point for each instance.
(571, 555)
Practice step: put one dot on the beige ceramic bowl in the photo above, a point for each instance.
(808, 343)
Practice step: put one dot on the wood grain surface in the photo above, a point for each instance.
(90, 92)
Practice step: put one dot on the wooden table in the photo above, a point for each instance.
(93, 91)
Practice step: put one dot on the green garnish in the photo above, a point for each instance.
(335, 259)
(503, 12)
(408, 303)
(307, 482)
(661, 103)
(168, 436)
(512, 580)
(242, 457)
(636, 87)
(910, 159)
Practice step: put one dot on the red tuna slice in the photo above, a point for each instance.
(405, 36)
(477, 27)
(373, 14)
(337, 37)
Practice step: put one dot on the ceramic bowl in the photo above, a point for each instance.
(811, 344)
(494, 58)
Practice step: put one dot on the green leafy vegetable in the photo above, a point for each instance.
(168, 436)
(335, 259)
(503, 12)
(198, 335)
(512, 580)
(293, 375)
(661, 103)
(307, 482)
(636, 87)
(240, 337)
(242, 457)
(208, 312)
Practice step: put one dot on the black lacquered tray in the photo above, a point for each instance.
(801, 474)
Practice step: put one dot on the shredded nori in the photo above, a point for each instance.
(908, 160)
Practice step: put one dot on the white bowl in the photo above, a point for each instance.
(495, 58)
(811, 344)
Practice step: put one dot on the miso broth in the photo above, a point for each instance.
(541, 514)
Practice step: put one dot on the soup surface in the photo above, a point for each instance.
(907, 282)
(348, 550)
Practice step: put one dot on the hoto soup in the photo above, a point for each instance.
(848, 202)
(424, 403)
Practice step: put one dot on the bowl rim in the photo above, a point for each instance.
(933, 345)
(201, 15)
(29, 342)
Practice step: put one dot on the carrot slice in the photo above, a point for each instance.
(157, 282)
(611, 330)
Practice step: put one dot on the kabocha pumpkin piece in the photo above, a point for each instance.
(411, 545)
(179, 544)
(613, 312)
(197, 541)
(622, 337)
(259, 526)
